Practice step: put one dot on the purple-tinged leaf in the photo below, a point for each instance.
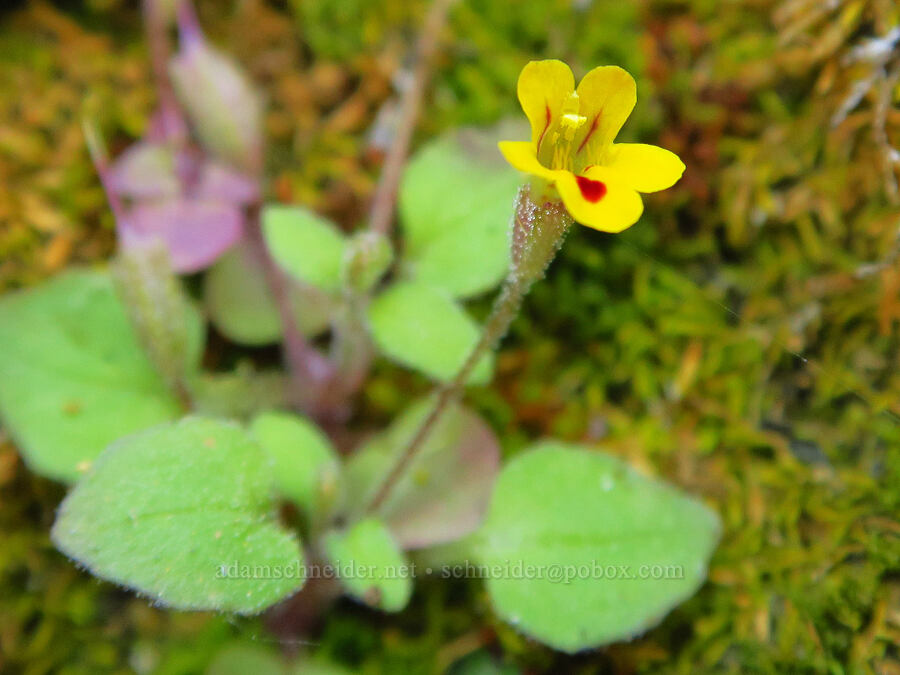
(195, 232)
(241, 306)
(445, 492)
(145, 171)
(154, 171)
(219, 182)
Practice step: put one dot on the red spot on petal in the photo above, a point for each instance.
(591, 190)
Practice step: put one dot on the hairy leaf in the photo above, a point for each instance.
(456, 205)
(423, 328)
(445, 492)
(183, 513)
(305, 463)
(307, 246)
(73, 377)
(586, 550)
(370, 565)
(242, 308)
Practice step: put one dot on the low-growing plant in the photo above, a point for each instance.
(233, 490)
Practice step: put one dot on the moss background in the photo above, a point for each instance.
(742, 340)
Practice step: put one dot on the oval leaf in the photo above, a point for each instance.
(423, 328)
(73, 377)
(146, 170)
(242, 308)
(183, 514)
(306, 465)
(445, 492)
(195, 232)
(592, 551)
(456, 205)
(370, 565)
(238, 300)
(307, 246)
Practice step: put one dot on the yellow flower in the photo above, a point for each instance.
(572, 149)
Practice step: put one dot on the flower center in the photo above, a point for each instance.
(563, 136)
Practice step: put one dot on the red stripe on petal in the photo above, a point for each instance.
(592, 190)
(590, 132)
(546, 126)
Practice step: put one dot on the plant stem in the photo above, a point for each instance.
(352, 352)
(160, 50)
(537, 234)
(310, 371)
(505, 310)
(349, 360)
(381, 215)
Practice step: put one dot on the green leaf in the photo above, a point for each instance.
(242, 308)
(238, 300)
(456, 205)
(445, 492)
(183, 514)
(573, 530)
(370, 565)
(423, 328)
(306, 465)
(73, 377)
(307, 246)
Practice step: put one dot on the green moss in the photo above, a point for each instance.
(730, 342)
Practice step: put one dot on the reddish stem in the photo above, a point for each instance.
(311, 372)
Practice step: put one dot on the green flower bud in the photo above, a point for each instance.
(224, 108)
(368, 256)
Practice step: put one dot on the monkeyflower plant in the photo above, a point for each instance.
(239, 491)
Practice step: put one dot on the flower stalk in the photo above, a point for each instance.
(538, 231)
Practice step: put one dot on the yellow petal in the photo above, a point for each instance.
(607, 96)
(521, 154)
(543, 87)
(599, 199)
(646, 168)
